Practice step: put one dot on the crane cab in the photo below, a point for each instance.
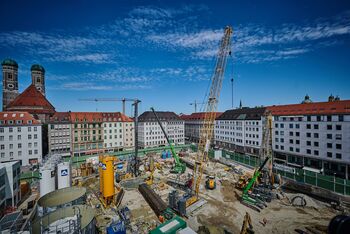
(210, 183)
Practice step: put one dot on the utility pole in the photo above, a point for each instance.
(136, 114)
(232, 92)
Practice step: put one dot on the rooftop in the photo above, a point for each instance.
(98, 117)
(197, 116)
(314, 108)
(37, 67)
(17, 118)
(9, 62)
(148, 116)
(33, 101)
(243, 114)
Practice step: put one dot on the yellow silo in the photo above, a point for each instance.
(108, 177)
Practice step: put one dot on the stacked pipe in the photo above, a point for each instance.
(153, 199)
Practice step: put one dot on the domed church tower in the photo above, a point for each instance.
(9, 81)
(38, 77)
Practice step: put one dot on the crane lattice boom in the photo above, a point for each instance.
(207, 130)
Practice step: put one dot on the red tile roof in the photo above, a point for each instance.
(315, 108)
(60, 117)
(98, 117)
(32, 101)
(197, 116)
(10, 118)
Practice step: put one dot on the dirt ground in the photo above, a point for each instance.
(223, 212)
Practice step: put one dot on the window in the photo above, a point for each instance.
(35, 129)
(2, 147)
(19, 146)
(318, 118)
(282, 125)
(11, 138)
(329, 118)
(291, 149)
(291, 141)
(35, 136)
(338, 136)
(290, 133)
(297, 125)
(308, 151)
(1, 129)
(329, 127)
(338, 156)
(315, 152)
(329, 136)
(19, 153)
(30, 152)
(315, 126)
(338, 127)
(290, 125)
(308, 143)
(329, 145)
(276, 132)
(329, 154)
(316, 143)
(308, 126)
(276, 139)
(281, 133)
(309, 118)
(10, 129)
(276, 146)
(1, 138)
(282, 140)
(282, 147)
(276, 125)
(11, 146)
(29, 137)
(297, 142)
(316, 135)
(341, 118)
(338, 146)
(297, 134)
(297, 150)
(29, 129)
(19, 129)
(19, 137)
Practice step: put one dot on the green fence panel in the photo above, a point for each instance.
(326, 184)
(325, 177)
(299, 175)
(339, 188)
(310, 180)
(347, 190)
(289, 175)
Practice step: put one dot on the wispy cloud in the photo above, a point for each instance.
(88, 86)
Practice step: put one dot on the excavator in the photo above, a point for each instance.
(179, 167)
(247, 226)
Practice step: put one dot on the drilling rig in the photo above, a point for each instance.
(207, 130)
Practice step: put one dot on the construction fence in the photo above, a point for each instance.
(331, 183)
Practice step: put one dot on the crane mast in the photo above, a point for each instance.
(207, 130)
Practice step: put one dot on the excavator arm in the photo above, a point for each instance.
(179, 167)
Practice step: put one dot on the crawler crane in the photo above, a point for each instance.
(207, 130)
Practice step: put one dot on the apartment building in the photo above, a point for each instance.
(20, 138)
(10, 193)
(313, 135)
(86, 133)
(193, 124)
(59, 134)
(128, 126)
(240, 130)
(150, 133)
(118, 131)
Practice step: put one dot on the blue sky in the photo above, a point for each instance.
(163, 52)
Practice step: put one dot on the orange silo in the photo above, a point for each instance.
(108, 190)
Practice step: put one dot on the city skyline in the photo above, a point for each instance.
(164, 53)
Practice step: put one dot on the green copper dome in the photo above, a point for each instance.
(37, 67)
(9, 62)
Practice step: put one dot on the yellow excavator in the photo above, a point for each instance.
(247, 227)
(151, 169)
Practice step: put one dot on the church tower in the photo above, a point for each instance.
(9, 81)
(38, 77)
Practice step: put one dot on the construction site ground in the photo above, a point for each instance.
(223, 212)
